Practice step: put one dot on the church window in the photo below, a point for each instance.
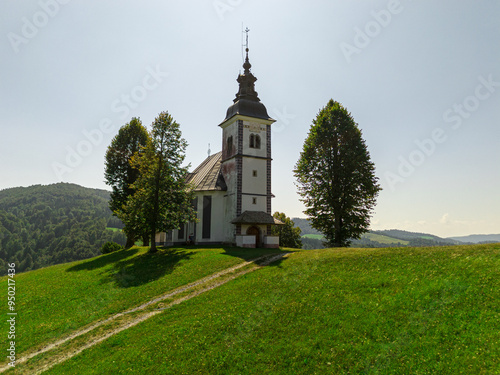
(254, 200)
(254, 141)
(207, 216)
(194, 204)
(254, 173)
(229, 145)
(181, 234)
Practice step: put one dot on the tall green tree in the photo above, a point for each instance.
(161, 199)
(336, 178)
(119, 172)
(290, 235)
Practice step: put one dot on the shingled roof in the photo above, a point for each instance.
(256, 217)
(208, 175)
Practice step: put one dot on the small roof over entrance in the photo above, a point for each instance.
(256, 217)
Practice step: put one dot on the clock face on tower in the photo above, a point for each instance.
(254, 127)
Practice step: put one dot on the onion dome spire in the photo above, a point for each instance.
(246, 64)
(247, 102)
(247, 83)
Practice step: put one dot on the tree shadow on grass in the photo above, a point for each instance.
(146, 267)
(103, 261)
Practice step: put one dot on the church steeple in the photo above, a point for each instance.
(247, 83)
(247, 102)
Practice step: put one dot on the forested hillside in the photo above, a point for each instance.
(45, 225)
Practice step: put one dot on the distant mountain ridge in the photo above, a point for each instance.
(392, 238)
(478, 238)
(409, 236)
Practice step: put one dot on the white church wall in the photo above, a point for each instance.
(217, 222)
(247, 203)
(229, 211)
(245, 241)
(229, 172)
(272, 242)
(254, 176)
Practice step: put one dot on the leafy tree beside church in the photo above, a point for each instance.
(161, 199)
(119, 173)
(336, 178)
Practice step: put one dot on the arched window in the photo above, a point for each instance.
(254, 141)
(257, 141)
(229, 145)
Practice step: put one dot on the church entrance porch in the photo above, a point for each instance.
(255, 231)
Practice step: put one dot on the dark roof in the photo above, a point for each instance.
(256, 217)
(248, 108)
(208, 175)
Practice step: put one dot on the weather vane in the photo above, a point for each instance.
(246, 43)
(246, 32)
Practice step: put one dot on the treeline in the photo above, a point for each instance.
(365, 242)
(305, 226)
(46, 225)
(405, 239)
(312, 243)
(418, 239)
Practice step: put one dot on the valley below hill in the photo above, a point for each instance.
(313, 239)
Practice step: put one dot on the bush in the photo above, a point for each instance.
(109, 247)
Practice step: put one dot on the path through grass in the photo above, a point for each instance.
(60, 299)
(351, 311)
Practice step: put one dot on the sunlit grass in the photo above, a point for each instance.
(57, 300)
(332, 311)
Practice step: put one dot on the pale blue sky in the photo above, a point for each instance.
(422, 79)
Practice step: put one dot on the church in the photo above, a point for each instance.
(233, 187)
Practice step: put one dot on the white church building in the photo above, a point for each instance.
(233, 187)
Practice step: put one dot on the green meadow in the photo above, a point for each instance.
(331, 311)
(59, 299)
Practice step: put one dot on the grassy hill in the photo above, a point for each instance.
(331, 311)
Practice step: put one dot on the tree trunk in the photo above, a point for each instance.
(153, 248)
(145, 240)
(130, 241)
(338, 229)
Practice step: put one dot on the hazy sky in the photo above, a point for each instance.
(421, 78)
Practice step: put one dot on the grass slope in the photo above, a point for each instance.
(350, 311)
(60, 299)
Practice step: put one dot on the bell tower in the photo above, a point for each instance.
(246, 163)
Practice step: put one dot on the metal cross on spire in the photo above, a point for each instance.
(245, 44)
(246, 32)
